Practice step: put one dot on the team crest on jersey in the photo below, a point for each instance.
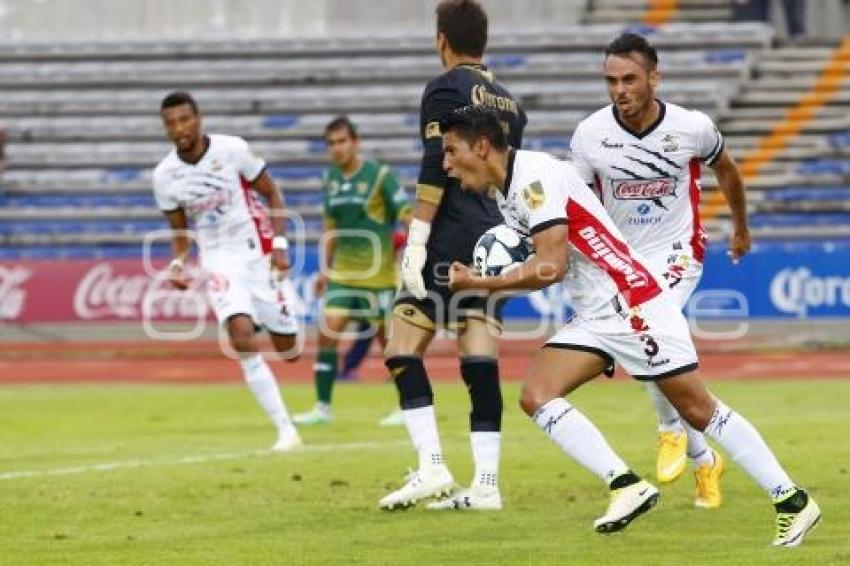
(362, 188)
(216, 165)
(533, 195)
(432, 130)
(670, 142)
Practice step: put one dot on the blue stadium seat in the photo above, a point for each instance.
(802, 194)
(824, 167)
(761, 220)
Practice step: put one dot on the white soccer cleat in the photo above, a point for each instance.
(318, 415)
(396, 418)
(792, 527)
(287, 442)
(475, 498)
(627, 504)
(431, 481)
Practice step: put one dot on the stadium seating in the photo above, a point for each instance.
(84, 130)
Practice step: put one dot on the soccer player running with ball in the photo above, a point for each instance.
(642, 156)
(623, 315)
(357, 275)
(213, 181)
(446, 224)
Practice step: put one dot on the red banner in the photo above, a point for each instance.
(55, 291)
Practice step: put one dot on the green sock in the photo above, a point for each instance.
(325, 374)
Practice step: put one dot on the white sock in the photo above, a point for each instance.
(698, 450)
(668, 417)
(579, 438)
(421, 425)
(485, 454)
(261, 382)
(743, 442)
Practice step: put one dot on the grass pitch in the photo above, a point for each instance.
(174, 475)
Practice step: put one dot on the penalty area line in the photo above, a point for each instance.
(198, 459)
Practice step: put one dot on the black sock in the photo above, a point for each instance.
(624, 480)
(414, 389)
(481, 375)
(794, 503)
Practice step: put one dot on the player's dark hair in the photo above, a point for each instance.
(178, 98)
(464, 23)
(633, 43)
(339, 123)
(473, 122)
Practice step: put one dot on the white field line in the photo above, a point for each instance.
(199, 459)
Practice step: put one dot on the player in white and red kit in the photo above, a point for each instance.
(643, 157)
(624, 314)
(213, 181)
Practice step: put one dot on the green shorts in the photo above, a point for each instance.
(358, 303)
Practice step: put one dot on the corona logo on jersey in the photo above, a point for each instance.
(479, 95)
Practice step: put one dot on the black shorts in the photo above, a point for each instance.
(443, 307)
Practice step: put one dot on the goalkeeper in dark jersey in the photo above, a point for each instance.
(446, 224)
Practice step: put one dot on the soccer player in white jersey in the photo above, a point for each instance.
(642, 156)
(624, 314)
(213, 181)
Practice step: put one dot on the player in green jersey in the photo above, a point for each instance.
(357, 275)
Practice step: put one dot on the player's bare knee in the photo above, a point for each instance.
(242, 334)
(696, 412)
(532, 398)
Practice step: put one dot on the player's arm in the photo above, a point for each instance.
(732, 185)
(436, 102)
(181, 242)
(181, 245)
(265, 186)
(326, 255)
(547, 266)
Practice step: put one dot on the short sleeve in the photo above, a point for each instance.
(436, 103)
(543, 203)
(579, 155)
(249, 165)
(394, 194)
(709, 141)
(165, 200)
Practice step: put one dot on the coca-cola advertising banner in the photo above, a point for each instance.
(42, 291)
(778, 279)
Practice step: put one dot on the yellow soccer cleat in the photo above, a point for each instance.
(708, 483)
(672, 456)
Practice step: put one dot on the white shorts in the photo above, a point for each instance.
(681, 272)
(247, 287)
(650, 342)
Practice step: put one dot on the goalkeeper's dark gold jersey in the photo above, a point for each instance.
(462, 216)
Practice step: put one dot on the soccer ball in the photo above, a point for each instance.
(500, 249)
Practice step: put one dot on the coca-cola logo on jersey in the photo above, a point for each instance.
(13, 296)
(649, 189)
(101, 293)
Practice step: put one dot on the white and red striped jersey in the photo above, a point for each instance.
(228, 217)
(542, 191)
(649, 182)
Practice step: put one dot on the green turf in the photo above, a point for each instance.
(320, 506)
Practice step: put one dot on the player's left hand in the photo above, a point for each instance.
(739, 244)
(280, 264)
(462, 277)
